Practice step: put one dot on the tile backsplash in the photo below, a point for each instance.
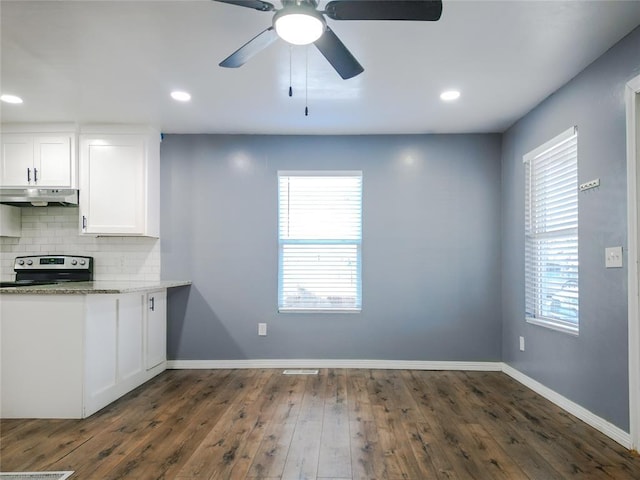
(54, 230)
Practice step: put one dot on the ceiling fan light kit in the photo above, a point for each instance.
(299, 25)
(299, 22)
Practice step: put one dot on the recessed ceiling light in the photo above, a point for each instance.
(450, 95)
(180, 96)
(10, 98)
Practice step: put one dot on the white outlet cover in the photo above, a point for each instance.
(613, 257)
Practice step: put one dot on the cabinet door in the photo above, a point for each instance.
(112, 184)
(16, 162)
(156, 329)
(100, 351)
(52, 161)
(130, 317)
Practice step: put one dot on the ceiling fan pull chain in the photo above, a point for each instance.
(306, 81)
(290, 88)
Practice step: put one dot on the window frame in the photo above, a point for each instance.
(292, 241)
(533, 299)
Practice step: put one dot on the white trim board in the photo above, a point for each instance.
(336, 363)
(632, 93)
(600, 424)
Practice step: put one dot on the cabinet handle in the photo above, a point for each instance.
(35, 175)
(152, 304)
(84, 222)
(28, 175)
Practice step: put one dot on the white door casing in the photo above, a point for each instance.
(632, 98)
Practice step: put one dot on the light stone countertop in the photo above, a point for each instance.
(95, 287)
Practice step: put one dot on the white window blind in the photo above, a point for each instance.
(320, 239)
(551, 233)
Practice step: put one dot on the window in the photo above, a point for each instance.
(551, 233)
(320, 241)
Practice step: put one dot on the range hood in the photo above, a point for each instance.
(39, 197)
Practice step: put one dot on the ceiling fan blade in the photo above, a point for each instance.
(255, 4)
(337, 54)
(417, 10)
(249, 49)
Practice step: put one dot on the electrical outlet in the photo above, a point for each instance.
(522, 344)
(262, 329)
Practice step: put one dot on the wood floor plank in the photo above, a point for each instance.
(304, 451)
(366, 452)
(335, 453)
(271, 456)
(341, 424)
(302, 459)
(358, 400)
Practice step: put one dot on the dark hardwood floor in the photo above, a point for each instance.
(340, 424)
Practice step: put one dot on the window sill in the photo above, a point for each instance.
(552, 325)
(319, 310)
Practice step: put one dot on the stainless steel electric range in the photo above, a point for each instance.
(50, 269)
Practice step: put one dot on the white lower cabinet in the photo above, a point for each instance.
(156, 329)
(68, 356)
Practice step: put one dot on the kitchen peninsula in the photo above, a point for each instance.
(70, 349)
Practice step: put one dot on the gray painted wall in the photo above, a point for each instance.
(431, 247)
(591, 369)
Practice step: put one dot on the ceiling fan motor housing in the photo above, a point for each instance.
(310, 3)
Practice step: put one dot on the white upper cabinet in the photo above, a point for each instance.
(120, 182)
(33, 159)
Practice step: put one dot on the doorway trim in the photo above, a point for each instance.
(632, 100)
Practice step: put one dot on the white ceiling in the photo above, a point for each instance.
(116, 61)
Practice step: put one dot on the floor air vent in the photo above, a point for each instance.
(35, 475)
(300, 371)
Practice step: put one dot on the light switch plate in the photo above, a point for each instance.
(262, 329)
(613, 257)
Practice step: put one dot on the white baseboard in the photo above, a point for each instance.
(346, 363)
(599, 423)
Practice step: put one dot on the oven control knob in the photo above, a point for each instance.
(29, 262)
(82, 262)
(74, 262)
(20, 262)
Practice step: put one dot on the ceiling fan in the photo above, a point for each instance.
(299, 22)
